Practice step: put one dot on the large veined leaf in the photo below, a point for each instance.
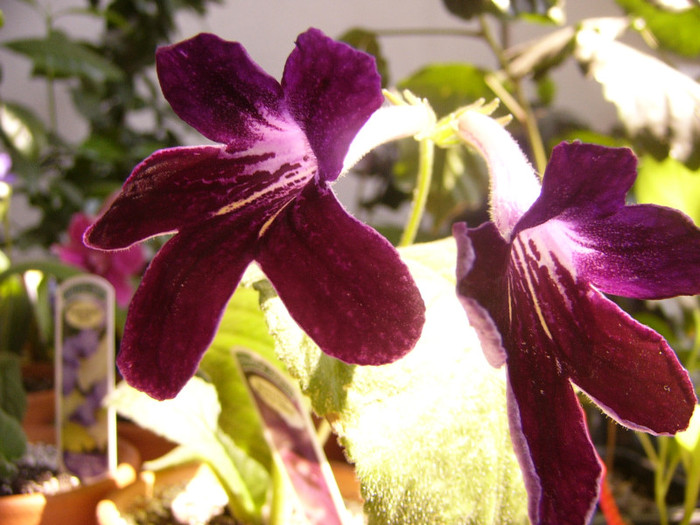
(674, 29)
(658, 105)
(60, 57)
(428, 434)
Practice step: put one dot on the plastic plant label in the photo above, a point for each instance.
(292, 437)
(85, 434)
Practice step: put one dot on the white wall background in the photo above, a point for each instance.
(268, 29)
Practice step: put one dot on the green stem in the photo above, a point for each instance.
(426, 155)
(423, 31)
(526, 117)
(660, 485)
(692, 488)
(691, 363)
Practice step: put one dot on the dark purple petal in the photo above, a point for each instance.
(216, 88)
(626, 366)
(176, 310)
(642, 251)
(629, 369)
(582, 182)
(331, 90)
(341, 281)
(182, 186)
(561, 469)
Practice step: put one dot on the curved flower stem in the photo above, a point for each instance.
(524, 112)
(426, 155)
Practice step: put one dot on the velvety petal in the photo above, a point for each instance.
(476, 283)
(215, 87)
(181, 186)
(561, 469)
(341, 281)
(176, 309)
(625, 366)
(582, 182)
(331, 89)
(642, 251)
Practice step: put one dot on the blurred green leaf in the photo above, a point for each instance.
(537, 10)
(13, 442)
(15, 315)
(448, 86)
(429, 433)
(657, 104)
(368, 42)
(676, 31)
(13, 399)
(58, 56)
(242, 326)
(669, 183)
(23, 130)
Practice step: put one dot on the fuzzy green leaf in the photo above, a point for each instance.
(429, 433)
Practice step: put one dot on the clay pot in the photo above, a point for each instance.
(75, 506)
(116, 505)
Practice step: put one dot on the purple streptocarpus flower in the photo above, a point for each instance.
(117, 267)
(262, 195)
(532, 282)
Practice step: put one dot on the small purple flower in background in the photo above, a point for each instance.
(532, 282)
(86, 413)
(263, 194)
(5, 165)
(117, 267)
(75, 348)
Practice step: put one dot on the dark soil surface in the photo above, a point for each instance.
(38, 472)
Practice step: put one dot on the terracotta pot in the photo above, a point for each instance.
(41, 408)
(119, 503)
(73, 507)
